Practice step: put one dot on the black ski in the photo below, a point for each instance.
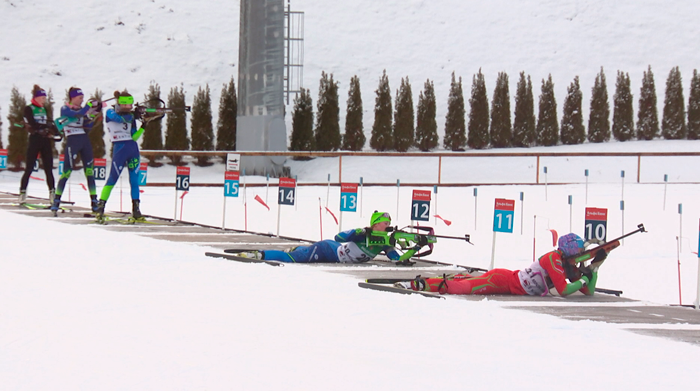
(393, 289)
(608, 291)
(242, 259)
(42, 207)
(373, 281)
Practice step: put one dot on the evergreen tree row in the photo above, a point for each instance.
(493, 127)
(402, 127)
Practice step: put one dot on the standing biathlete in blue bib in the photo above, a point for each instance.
(348, 247)
(121, 124)
(78, 121)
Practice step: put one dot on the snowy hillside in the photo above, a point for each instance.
(127, 45)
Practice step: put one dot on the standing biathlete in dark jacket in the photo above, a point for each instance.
(348, 247)
(548, 271)
(41, 141)
(78, 122)
(121, 124)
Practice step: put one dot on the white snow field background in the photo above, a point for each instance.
(82, 308)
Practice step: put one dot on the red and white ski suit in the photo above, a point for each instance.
(529, 281)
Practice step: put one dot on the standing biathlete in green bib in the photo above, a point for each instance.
(40, 142)
(121, 124)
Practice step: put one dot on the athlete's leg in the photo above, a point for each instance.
(47, 162)
(118, 162)
(89, 165)
(32, 151)
(324, 251)
(276, 255)
(68, 154)
(496, 281)
(133, 165)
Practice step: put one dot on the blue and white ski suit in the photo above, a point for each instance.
(348, 247)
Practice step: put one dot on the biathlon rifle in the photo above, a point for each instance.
(411, 242)
(52, 130)
(145, 111)
(607, 247)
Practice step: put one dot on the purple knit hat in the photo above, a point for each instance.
(38, 92)
(74, 91)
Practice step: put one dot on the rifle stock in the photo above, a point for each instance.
(409, 240)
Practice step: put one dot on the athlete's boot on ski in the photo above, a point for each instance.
(403, 284)
(52, 195)
(251, 255)
(135, 211)
(22, 197)
(94, 203)
(100, 213)
(55, 205)
(417, 284)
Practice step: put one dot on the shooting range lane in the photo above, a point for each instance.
(674, 322)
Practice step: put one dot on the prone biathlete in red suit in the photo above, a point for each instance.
(536, 280)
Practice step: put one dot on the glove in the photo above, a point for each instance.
(364, 232)
(138, 114)
(584, 280)
(600, 257)
(586, 272)
(144, 123)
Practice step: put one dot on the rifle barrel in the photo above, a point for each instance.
(465, 238)
(640, 228)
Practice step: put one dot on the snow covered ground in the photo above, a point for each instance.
(84, 308)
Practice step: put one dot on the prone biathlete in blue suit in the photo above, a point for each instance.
(123, 132)
(348, 247)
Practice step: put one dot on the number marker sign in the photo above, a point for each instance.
(596, 224)
(3, 159)
(61, 164)
(182, 181)
(100, 169)
(503, 216)
(287, 191)
(231, 179)
(503, 213)
(285, 196)
(420, 206)
(143, 174)
(348, 197)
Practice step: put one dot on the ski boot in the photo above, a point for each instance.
(22, 197)
(55, 204)
(100, 213)
(136, 212)
(94, 203)
(250, 255)
(403, 285)
(52, 195)
(417, 284)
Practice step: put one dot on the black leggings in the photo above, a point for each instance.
(43, 145)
